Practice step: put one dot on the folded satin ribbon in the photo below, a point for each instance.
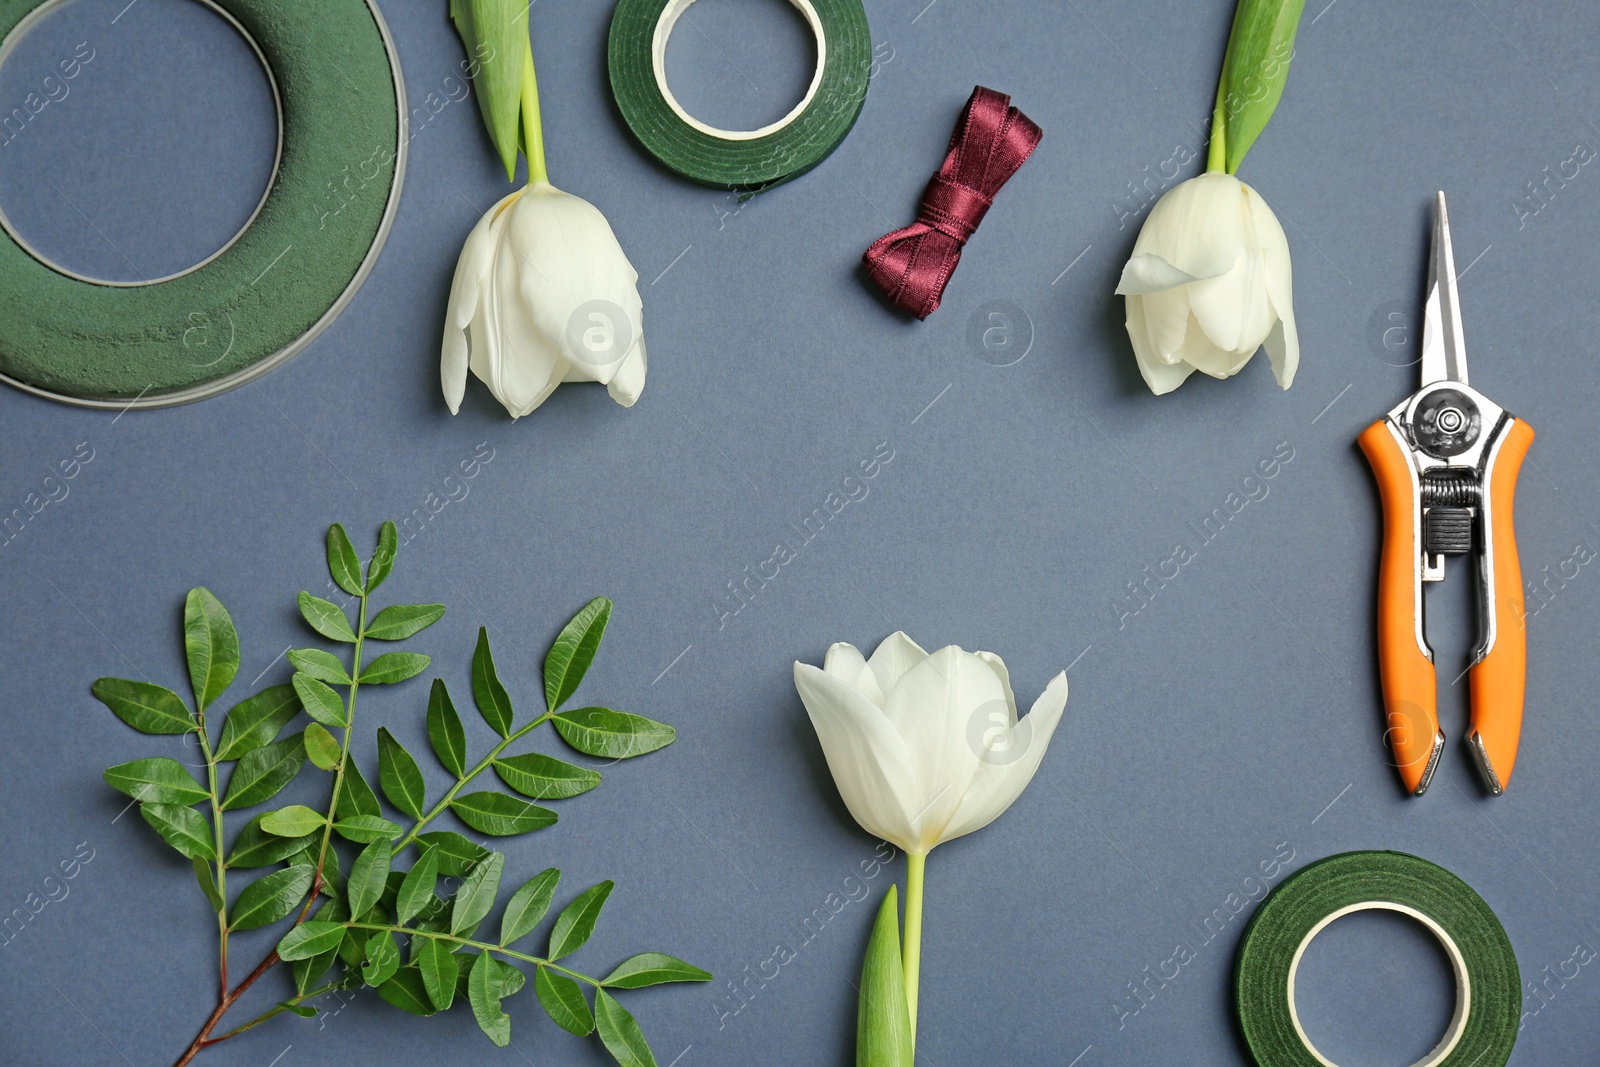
(991, 140)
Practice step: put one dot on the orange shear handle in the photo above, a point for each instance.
(1499, 679)
(1410, 687)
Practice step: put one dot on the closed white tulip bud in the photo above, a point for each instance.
(925, 748)
(1209, 283)
(543, 294)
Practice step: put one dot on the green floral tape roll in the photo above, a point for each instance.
(282, 279)
(1488, 1008)
(748, 160)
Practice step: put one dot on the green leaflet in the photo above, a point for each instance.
(394, 667)
(445, 731)
(406, 991)
(542, 777)
(367, 876)
(365, 829)
(296, 820)
(883, 1021)
(563, 1001)
(574, 649)
(206, 875)
(254, 847)
(158, 779)
(432, 957)
(484, 995)
(183, 828)
(621, 1034)
(1254, 73)
(310, 939)
(257, 720)
(477, 893)
(576, 921)
(326, 618)
(612, 734)
(498, 815)
(309, 970)
(399, 621)
(262, 772)
(528, 905)
(355, 795)
(416, 889)
(491, 697)
(496, 35)
(321, 702)
(383, 958)
(399, 776)
(150, 709)
(382, 557)
(456, 853)
(305, 1011)
(342, 561)
(322, 748)
(653, 968)
(320, 664)
(211, 644)
(271, 897)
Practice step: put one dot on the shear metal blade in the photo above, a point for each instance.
(1444, 355)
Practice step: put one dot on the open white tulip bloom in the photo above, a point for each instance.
(543, 294)
(925, 748)
(1209, 283)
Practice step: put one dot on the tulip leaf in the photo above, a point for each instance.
(382, 561)
(542, 777)
(271, 897)
(612, 734)
(367, 876)
(320, 664)
(477, 893)
(326, 618)
(456, 853)
(445, 733)
(528, 905)
(158, 779)
(498, 815)
(490, 695)
(296, 820)
(653, 968)
(355, 795)
(398, 775)
(416, 889)
(262, 772)
(320, 701)
(255, 847)
(483, 993)
(257, 720)
(394, 667)
(573, 651)
(620, 1033)
(562, 999)
(1254, 72)
(405, 991)
(432, 957)
(496, 36)
(399, 621)
(183, 828)
(576, 921)
(211, 645)
(883, 1021)
(322, 747)
(343, 563)
(383, 958)
(150, 709)
(310, 939)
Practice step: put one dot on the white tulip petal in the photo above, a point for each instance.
(472, 272)
(1283, 343)
(896, 655)
(1234, 310)
(1146, 273)
(1283, 349)
(866, 756)
(524, 367)
(845, 662)
(1166, 321)
(1195, 226)
(628, 385)
(998, 665)
(1160, 375)
(1002, 777)
(1206, 356)
(943, 707)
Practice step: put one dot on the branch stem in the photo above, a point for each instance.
(483, 945)
(482, 766)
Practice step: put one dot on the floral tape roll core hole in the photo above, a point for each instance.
(749, 160)
(282, 279)
(1483, 1027)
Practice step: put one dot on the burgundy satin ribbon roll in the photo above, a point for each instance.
(991, 140)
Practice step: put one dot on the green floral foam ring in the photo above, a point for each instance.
(281, 280)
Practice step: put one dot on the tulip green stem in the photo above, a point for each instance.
(1217, 154)
(532, 125)
(911, 953)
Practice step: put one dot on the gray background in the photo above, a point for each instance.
(1235, 714)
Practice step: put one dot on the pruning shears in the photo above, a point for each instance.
(1446, 461)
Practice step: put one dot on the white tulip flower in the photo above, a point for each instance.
(543, 294)
(1209, 283)
(925, 748)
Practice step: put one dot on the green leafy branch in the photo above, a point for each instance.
(352, 922)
